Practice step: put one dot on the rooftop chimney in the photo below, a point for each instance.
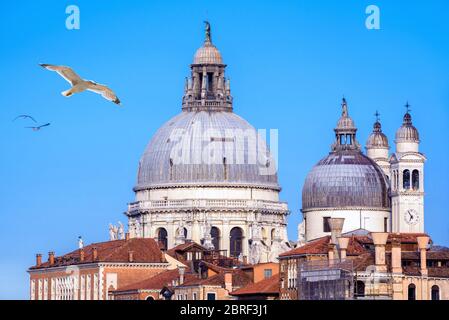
(38, 260)
(423, 241)
(131, 256)
(94, 254)
(82, 254)
(331, 253)
(343, 243)
(228, 281)
(127, 236)
(396, 256)
(336, 225)
(380, 240)
(51, 258)
(181, 270)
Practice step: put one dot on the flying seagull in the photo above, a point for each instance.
(39, 127)
(80, 85)
(24, 116)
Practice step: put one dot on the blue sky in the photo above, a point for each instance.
(290, 63)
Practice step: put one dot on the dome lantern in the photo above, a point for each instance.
(207, 89)
(345, 132)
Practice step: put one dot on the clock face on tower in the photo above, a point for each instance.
(411, 216)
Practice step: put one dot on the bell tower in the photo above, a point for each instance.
(407, 179)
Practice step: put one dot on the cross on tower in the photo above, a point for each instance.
(377, 114)
(407, 107)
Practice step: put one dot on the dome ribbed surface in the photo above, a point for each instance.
(207, 54)
(345, 179)
(162, 163)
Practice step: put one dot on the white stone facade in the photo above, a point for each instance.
(223, 208)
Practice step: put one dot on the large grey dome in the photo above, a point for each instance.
(345, 179)
(164, 163)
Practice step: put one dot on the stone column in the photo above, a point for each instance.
(380, 240)
(226, 243)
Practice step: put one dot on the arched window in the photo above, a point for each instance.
(162, 238)
(236, 242)
(406, 179)
(272, 234)
(149, 298)
(411, 292)
(435, 293)
(215, 233)
(359, 289)
(415, 179)
(185, 233)
(264, 234)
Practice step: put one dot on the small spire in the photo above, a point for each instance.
(377, 114)
(208, 38)
(407, 107)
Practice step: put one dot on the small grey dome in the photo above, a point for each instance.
(407, 132)
(174, 156)
(345, 179)
(377, 139)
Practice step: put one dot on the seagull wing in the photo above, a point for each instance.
(65, 72)
(44, 125)
(104, 91)
(24, 116)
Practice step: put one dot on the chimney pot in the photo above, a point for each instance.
(82, 254)
(423, 241)
(396, 255)
(38, 260)
(343, 243)
(131, 256)
(94, 254)
(380, 240)
(228, 281)
(51, 258)
(330, 253)
(336, 225)
(127, 236)
(181, 270)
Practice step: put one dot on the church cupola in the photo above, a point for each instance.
(377, 147)
(207, 89)
(407, 136)
(345, 132)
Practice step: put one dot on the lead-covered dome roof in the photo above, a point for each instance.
(178, 154)
(345, 179)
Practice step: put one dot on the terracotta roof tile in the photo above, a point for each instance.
(318, 246)
(163, 279)
(239, 279)
(269, 286)
(145, 250)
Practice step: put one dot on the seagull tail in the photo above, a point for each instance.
(67, 93)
